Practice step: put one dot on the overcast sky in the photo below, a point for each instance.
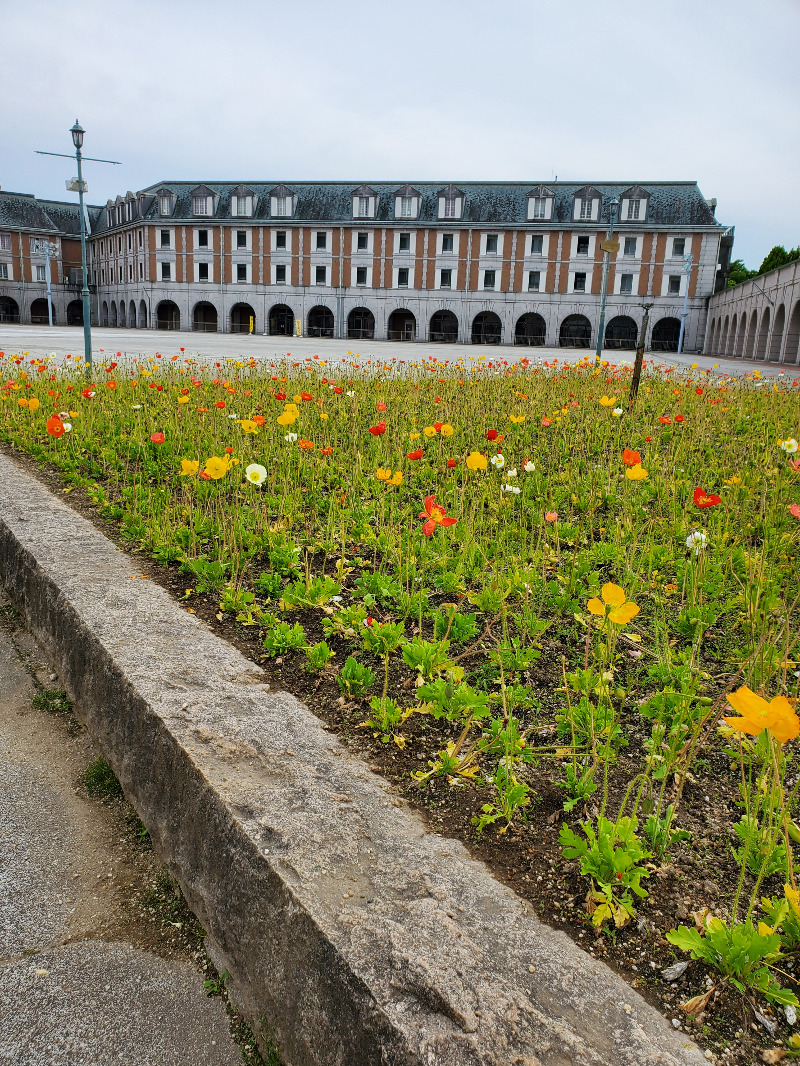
(415, 90)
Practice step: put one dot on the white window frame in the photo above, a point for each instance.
(451, 207)
(247, 277)
(244, 206)
(440, 242)
(498, 246)
(574, 246)
(537, 275)
(165, 206)
(168, 263)
(540, 208)
(635, 253)
(286, 248)
(574, 277)
(5, 272)
(324, 269)
(403, 251)
(248, 241)
(5, 242)
(200, 206)
(367, 282)
(41, 272)
(494, 287)
(682, 252)
(210, 278)
(444, 270)
(370, 242)
(538, 237)
(633, 212)
(624, 291)
(579, 213)
(407, 206)
(286, 276)
(681, 284)
(398, 283)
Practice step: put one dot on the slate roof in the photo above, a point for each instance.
(677, 203)
(23, 211)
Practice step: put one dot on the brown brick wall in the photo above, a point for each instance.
(552, 264)
(597, 268)
(377, 257)
(658, 266)
(697, 244)
(347, 261)
(430, 269)
(461, 273)
(647, 256)
(255, 238)
(419, 264)
(335, 252)
(518, 260)
(151, 258)
(566, 245)
(305, 256)
(474, 251)
(505, 240)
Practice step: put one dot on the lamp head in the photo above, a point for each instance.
(77, 132)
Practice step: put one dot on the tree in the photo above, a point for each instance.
(738, 273)
(778, 257)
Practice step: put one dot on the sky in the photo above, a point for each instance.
(520, 90)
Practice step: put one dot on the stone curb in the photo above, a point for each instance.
(354, 935)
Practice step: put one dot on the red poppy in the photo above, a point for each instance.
(631, 457)
(258, 419)
(665, 420)
(680, 418)
(229, 451)
(451, 463)
(280, 395)
(184, 392)
(220, 404)
(55, 427)
(326, 451)
(705, 499)
(435, 515)
(699, 391)
(306, 396)
(378, 430)
(157, 438)
(380, 406)
(338, 390)
(204, 475)
(417, 454)
(87, 393)
(111, 384)
(491, 434)
(648, 440)
(438, 426)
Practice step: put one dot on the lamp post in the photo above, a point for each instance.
(608, 245)
(689, 263)
(77, 132)
(49, 251)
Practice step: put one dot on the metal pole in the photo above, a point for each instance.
(606, 259)
(637, 367)
(87, 313)
(47, 249)
(688, 261)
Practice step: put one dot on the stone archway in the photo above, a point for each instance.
(204, 317)
(320, 322)
(9, 309)
(402, 326)
(530, 330)
(763, 336)
(75, 313)
(575, 332)
(777, 334)
(167, 315)
(281, 321)
(443, 327)
(665, 335)
(621, 333)
(487, 328)
(360, 324)
(243, 319)
(792, 349)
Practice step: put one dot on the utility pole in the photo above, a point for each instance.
(637, 367)
(609, 245)
(689, 262)
(78, 185)
(49, 251)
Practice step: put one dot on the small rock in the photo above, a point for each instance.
(673, 972)
(676, 1023)
(791, 1014)
(768, 1023)
(708, 1054)
(53, 677)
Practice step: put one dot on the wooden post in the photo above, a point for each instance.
(637, 368)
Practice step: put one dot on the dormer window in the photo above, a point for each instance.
(406, 206)
(451, 202)
(202, 201)
(406, 202)
(587, 204)
(633, 204)
(634, 207)
(200, 205)
(281, 205)
(365, 200)
(281, 202)
(540, 203)
(165, 204)
(242, 202)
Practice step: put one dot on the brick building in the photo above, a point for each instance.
(480, 262)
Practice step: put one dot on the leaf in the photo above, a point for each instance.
(697, 1004)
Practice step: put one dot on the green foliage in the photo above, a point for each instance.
(314, 593)
(54, 701)
(318, 656)
(738, 273)
(269, 584)
(100, 780)
(427, 657)
(284, 638)
(354, 679)
(348, 622)
(762, 848)
(386, 714)
(235, 599)
(512, 795)
(444, 699)
(778, 256)
(382, 638)
(661, 832)
(458, 628)
(610, 855)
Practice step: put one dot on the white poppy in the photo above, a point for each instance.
(498, 461)
(67, 427)
(137, 407)
(290, 438)
(256, 473)
(351, 394)
(617, 412)
(529, 467)
(789, 446)
(512, 488)
(511, 473)
(696, 540)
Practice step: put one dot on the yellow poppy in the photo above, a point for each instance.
(778, 716)
(414, 436)
(446, 430)
(396, 478)
(383, 474)
(217, 466)
(516, 419)
(248, 425)
(622, 609)
(183, 399)
(288, 418)
(189, 467)
(636, 472)
(429, 431)
(476, 461)
(608, 401)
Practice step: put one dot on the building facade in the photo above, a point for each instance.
(488, 262)
(759, 319)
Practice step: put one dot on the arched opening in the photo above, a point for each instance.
(9, 309)
(39, 316)
(204, 318)
(531, 330)
(793, 336)
(665, 335)
(763, 335)
(741, 334)
(402, 326)
(142, 315)
(320, 322)
(443, 327)
(621, 333)
(122, 315)
(486, 328)
(167, 315)
(777, 335)
(750, 348)
(112, 314)
(575, 332)
(243, 319)
(360, 324)
(723, 348)
(75, 313)
(104, 314)
(132, 315)
(281, 321)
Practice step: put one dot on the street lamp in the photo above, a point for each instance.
(688, 263)
(608, 245)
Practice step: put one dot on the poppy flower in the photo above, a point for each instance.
(380, 406)
(778, 716)
(445, 429)
(608, 401)
(337, 390)
(648, 440)
(436, 516)
(705, 499)
(217, 466)
(279, 395)
(417, 454)
(258, 419)
(551, 516)
(306, 396)
(476, 461)
(396, 478)
(383, 473)
(306, 445)
(491, 434)
(794, 509)
(451, 463)
(680, 418)
(189, 467)
(255, 473)
(430, 431)
(220, 404)
(547, 421)
(789, 446)
(87, 393)
(665, 420)
(636, 472)
(157, 438)
(631, 457)
(55, 427)
(516, 419)
(378, 430)
(622, 609)
(326, 451)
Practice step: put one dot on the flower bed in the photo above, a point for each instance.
(564, 624)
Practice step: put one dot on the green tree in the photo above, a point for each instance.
(738, 273)
(778, 257)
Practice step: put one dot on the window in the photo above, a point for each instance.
(202, 238)
(362, 242)
(241, 272)
(141, 272)
(491, 244)
(583, 246)
(130, 241)
(402, 278)
(130, 271)
(280, 238)
(241, 238)
(445, 279)
(626, 283)
(320, 275)
(488, 279)
(586, 209)
(539, 207)
(119, 244)
(449, 207)
(141, 239)
(533, 280)
(679, 246)
(405, 242)
(40, 274)
(634, 206)
(363, 207)
(674, 284)
(281, 205)
(322, 241)
(102, 276)
(579, 285)
(165, 238)
(5, 242)
(202, 271)
(447, 242)
(280, 274)
(241, 205)
(4, 271)
(536, 245)
(165, 205)
(630, 246)
(406, 206)
(166, 271)
(361, 275)
(200, 205)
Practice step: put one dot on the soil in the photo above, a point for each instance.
(698, 874)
